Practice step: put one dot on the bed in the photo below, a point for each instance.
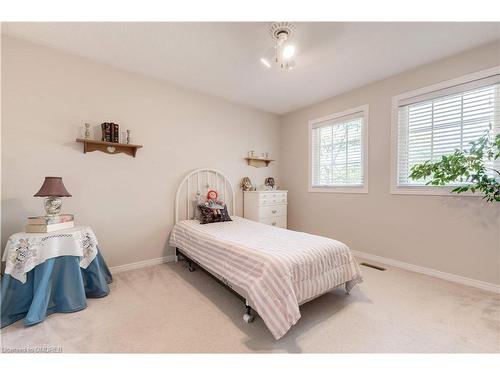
(274, 270)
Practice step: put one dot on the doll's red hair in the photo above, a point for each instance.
(212, 191)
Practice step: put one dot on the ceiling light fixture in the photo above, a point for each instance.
(282, 53)
(288, 51)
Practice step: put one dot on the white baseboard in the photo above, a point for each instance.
(430, 272)
(376, 258)
(141, 264)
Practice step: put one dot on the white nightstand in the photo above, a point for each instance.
(266, 206)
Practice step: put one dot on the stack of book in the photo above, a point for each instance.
(46, 224)
(110, 132)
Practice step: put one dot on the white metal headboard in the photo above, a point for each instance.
(199, 182)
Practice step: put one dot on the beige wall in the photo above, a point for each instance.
(48, 95)
(450, 234)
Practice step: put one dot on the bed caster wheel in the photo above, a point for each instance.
(347, 289)
(190, 267)
(248, 318)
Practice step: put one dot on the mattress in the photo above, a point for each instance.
(278, 269)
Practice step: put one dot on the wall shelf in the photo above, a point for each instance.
(90, 145)
(258, 162)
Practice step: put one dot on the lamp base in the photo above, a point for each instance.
(52, 205)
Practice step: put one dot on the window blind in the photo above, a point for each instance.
(443, 121)
(337, 147)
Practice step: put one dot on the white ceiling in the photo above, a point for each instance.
(222, 59)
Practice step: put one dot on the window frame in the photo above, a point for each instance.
(395, 100)
(346, 189)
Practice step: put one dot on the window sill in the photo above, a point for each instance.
(426, 190)
(339, 189)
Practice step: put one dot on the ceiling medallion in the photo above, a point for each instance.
(283, 51)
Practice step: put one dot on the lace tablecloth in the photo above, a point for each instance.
(24, 251)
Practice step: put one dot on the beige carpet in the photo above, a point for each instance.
(167, 309)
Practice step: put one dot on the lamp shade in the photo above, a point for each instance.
(53, 187)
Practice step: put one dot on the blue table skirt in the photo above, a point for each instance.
(57, 285)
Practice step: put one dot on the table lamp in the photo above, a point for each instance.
(52, 188)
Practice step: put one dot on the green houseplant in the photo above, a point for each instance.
(469, 167)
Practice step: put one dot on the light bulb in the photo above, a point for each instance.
(265, 62)
(288, 51)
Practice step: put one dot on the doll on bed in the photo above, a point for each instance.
(213, 202)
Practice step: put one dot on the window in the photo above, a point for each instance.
(338, 152)
(438, 120)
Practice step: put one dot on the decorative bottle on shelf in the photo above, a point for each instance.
(87, 130)
(128, 136)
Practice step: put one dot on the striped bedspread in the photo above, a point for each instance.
(277, 268)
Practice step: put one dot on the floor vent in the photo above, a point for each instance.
(373, 266)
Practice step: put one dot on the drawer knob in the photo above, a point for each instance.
(274, 211)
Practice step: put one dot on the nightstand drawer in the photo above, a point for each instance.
(279, 221)
(272, 211)
(272, 198)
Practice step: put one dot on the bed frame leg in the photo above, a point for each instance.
(347, 289)
(248, 317)
(181, 256)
